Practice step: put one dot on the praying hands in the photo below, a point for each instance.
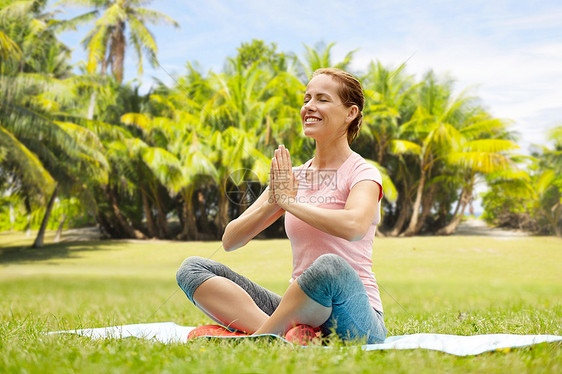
(283, 185)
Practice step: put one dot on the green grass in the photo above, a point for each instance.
(454, 285)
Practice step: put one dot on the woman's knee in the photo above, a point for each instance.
(189, 266)
(324, 279)
(331, 266)
(192, 273)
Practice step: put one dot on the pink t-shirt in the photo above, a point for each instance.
(330, 189)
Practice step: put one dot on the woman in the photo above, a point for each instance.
(331, 207)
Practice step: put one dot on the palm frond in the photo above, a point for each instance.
(73, 23)
(29, 167)
(16, 10)
(399, 147)
(165, 167)
(9, 50)
(137, 119)
(490, 145)
(155, 17)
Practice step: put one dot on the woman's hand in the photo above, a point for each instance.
(283, 186)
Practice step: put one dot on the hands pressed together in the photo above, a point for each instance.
(283, 185)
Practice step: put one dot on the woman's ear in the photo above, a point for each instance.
(352, 113)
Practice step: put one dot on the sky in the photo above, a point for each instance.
(508, 53)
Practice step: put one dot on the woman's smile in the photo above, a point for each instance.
(310, 120)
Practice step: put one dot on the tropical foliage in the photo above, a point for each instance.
(180, 161)
(531, 199)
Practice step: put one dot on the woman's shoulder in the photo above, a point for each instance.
(359, 162)
(360, 168)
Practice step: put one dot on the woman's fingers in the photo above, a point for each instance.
(288, 161)
(284, 159)
(271, 184)
(279, 155)
(282, 183)
(271, 174)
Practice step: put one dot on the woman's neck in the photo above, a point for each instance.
(331, 156)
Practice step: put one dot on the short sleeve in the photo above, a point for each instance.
(365, 171)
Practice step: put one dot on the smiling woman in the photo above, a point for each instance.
(331, 227)
(332, 89)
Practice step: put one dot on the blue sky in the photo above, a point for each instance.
(509, 53)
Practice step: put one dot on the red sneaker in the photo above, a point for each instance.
(302, 334)
(212, 330)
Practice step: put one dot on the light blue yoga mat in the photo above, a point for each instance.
(169, 332)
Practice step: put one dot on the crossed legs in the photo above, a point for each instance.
(236, 302)
(329, 294)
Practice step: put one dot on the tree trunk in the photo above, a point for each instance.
(189, 222)
(28, 210)
(58, 235)
(39, 240)
(222, 216)
(127, 228)
(92, 106)
(203, 220)
(118, 51)
(402, 216)
(411, 230)
(93, 98)
(457, 218)
(12, 217)
(151, 227)
(189, 231)
(107, 226)
(427, 203)
(553, 218)
(161, 220)
(28, 228)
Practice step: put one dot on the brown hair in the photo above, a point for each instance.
(350, 93)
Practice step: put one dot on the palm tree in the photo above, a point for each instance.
(388, 103)
(321, 57)
(106, 43)
(29, 39)
(75, 166)
(433, 128)
(479, 154)
(46, 155)
(184, 162)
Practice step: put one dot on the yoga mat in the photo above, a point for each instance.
(169, 332)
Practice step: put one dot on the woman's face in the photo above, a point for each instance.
(323, 114)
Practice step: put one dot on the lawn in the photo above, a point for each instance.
(456, 285)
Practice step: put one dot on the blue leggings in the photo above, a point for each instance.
(329, 280)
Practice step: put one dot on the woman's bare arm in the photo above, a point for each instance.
(260, 215)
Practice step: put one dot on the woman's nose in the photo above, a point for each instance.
(309, 105)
